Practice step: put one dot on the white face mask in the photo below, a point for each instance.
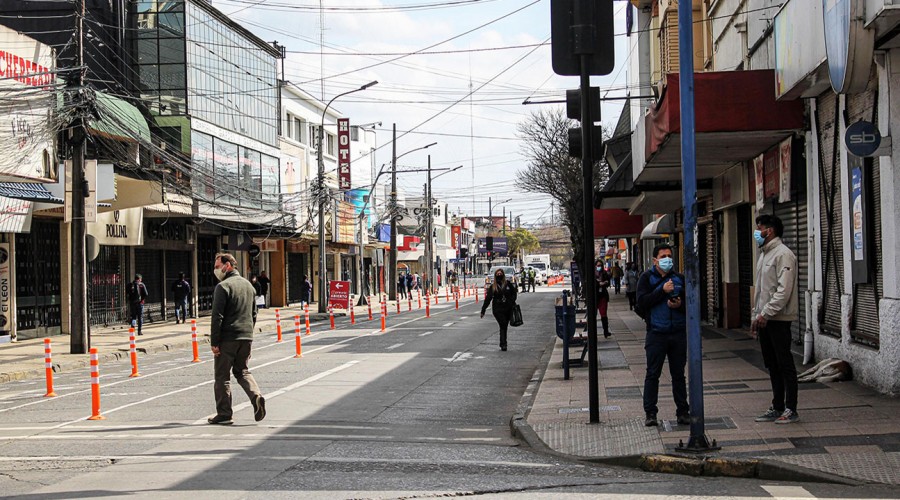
(220, 273)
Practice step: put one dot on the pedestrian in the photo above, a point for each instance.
(523, 278)
(401, 285)
(502, 295)
(617, 275)
(345, 275)
(410, 284)
(231, 339)
(631, 282)
(305, 290)
(532, 274)
(181, 290)
(137, 294)
(602, 279)
(417, 282)
(264, 284)
(257, 290)
(661, 294)
(775, 307)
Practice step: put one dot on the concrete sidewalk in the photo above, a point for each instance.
(847, 433)
(25, 358)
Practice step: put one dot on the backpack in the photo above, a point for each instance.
(132, 292)
(641, 312)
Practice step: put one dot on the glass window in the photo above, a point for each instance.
(251, 187)
(271, 182)
(148, 77)
(147, 51)
(171, 50)
(330, 146)
(171, 24)
(171, 76)
(202, 166)
(226, 172)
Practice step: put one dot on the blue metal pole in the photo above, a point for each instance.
(698, 440)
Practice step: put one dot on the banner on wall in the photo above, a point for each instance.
(784, 171)
(859, 242)
(760, 176)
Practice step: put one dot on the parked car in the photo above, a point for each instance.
(565, 272)
(509, 271)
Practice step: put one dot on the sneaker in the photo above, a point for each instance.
(219, 420)
(769, 416)
(259, 407)
(788, 417)
(651, 421)
(683, 419)
(503, 348)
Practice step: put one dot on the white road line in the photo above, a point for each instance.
(393, 347)
(448, 324)
(787, 492)
(464, 317)
(424, 334)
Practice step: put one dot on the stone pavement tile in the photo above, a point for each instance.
(873, 467)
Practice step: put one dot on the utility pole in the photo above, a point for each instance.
(392, 261)
(80, 340)
(429, 244)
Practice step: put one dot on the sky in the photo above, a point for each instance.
(451, 71)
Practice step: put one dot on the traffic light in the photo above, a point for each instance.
(573, 111)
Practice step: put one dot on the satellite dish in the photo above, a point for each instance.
(91, 247)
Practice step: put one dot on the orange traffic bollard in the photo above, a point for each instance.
(133, 349)
(194, 344)
(419, 295)
(95, 386)
(427, 305)
(278, 325)
(306, 318)
(456, 296)
(48, 368)
(398, 305)
(409, 299)
(331, 315)
(369, 303)
(383, 314)
(447, 293)
(384, 308)
(298, 341)
(352, 315)
(476, 294)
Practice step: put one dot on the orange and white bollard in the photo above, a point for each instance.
(352, 314)
(133, 349)
(383, 314)
(456, 296)
(48, 368)
(476, 294)
(427, 305)
(306, 318)
(447, 293)
(384, 308)
(369, 303)
(278, 325)
(194, 345)
(419, 295)
(297, 338)
(398, 305)
(95, 386)
(409, 300)
(331, 315)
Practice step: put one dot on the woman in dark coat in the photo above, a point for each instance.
(502, 294)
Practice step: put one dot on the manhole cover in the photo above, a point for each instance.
(711, 423)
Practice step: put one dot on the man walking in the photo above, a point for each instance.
(661, 298)
(264, 283)
(305, 291)
(231, 337)
(775, 307)
(401, 286)
(181, 290)
(631, 281)
(136, 294)
(617, 275)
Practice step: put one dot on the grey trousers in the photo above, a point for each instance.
(233, 357)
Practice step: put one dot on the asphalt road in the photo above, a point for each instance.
(421, 410)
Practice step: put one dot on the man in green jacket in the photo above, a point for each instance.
(231, 336)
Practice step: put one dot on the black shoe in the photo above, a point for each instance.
(503, 348)
(651, 421)
(259, 407)
(139, 333)
(683, 419)
(219, 420)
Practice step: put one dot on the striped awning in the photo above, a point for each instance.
(30, 191)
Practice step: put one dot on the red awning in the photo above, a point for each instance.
(737, 118)
(615, 223)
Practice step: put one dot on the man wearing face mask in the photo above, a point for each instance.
(775, 306)
(660, 292)
(231, 337)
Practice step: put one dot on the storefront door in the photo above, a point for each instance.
(38, 304)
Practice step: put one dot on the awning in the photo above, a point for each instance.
(615, 223)
(660, 227)
(30, 191)
(737, 118)
(118, 120)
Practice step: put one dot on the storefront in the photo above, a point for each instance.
(110, 259)
(298, 266)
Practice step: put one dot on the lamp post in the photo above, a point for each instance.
(491, 219)
(429, 222)
(392, 266)
(323, 198)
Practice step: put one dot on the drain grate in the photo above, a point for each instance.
(585, 410)
(626, 392)
(711, 424)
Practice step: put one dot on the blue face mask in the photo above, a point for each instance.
(666, 264)
(760, 240)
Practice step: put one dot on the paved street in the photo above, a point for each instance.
(420, 410)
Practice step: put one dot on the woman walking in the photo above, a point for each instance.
(631, 281)
(502, 294)
(602, 279)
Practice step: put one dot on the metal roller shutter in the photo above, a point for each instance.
(149, 264)
(38, 290)
(864, 324)
(830, 206)
(176, 262)
(207, 247)
(295, 270)
(108, 275)
(794, 216)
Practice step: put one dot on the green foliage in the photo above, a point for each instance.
(521, 239)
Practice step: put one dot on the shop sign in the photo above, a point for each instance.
(166, 231)
(5, 290)
(784, 171)
(860, 262)
(266, 244)
(344, 221)
(119, 227)
(730, 188)
(15, 215)
(454, 240)
(343, 152)
(759, 176)
(848, 44)
(339, 294)
(770, 164)
(862, 138)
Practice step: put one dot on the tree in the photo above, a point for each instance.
(552, 171)
(521, 239)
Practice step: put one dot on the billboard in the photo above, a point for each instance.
(343, 153)
(27, 79)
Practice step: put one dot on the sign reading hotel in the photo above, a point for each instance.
(343, 153)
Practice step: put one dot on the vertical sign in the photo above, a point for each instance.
(343, 137)
(859, 231)
(784, 170)
(760, 181)
(90, 201)
(5, 291)
(455, 239)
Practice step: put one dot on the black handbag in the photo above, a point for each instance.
(516, 317)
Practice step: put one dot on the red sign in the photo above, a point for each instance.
(343, 152)
(339, 294)
(454, 241)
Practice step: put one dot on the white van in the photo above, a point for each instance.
(541, 263)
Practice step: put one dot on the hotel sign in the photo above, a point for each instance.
(343, 152)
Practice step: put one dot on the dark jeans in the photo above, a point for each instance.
(632, 299)
(136, 311)
(181, 306)
(531, 283)
(502, 317)
(617, 284)
(401, 291)
(232, 359)
(660, 346)
(775, 343)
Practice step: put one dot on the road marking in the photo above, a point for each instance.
(459, 356)
(393, 347)
(424, 334)
(464, 317)
(448, 324)
(778, 491)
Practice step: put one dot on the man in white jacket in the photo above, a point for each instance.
(775, 307)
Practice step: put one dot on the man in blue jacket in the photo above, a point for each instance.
(660, 296)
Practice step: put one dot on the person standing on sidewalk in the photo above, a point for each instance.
(775, 307)
(305, 290)
(631, 282)
(602, 278)
(661, 295)
(181, 290)
(617, 276)
(136, 294)
(502, 295)
(264, 283)
(401, 286)
(231, 339)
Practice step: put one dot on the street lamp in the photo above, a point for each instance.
(322, 197)
(429, 222)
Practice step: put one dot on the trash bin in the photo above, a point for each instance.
(567, 325)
